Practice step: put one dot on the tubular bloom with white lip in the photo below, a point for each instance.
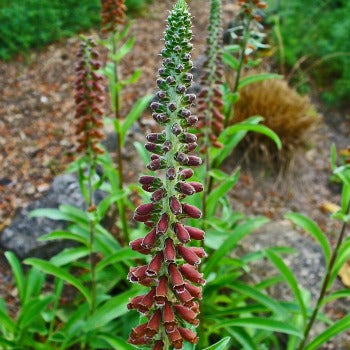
(172, 274)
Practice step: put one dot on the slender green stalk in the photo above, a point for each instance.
(91, 206)
(246, 36)
(210, 98)
(324, 285)
(119, 159)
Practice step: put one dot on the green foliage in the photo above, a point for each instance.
(318, 32)
(36, 23)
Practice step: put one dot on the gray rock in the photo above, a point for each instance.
(21, 236)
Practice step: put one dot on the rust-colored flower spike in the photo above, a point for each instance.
(210, 103)
(89, 99)
(251, 16)
(113, 14)
(172, 274)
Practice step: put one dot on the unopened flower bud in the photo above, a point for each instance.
(175, 205)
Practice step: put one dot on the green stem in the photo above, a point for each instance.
(119, 156)
(325, 284)
(246, 36)
(92, 234)
(59, 287)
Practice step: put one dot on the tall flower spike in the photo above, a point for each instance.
(175, 281)
(89, 99)
(210, 104)
(112, 13)
(250, 15)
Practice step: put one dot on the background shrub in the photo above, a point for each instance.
(318, 31)
(35, 23)
(291, 116)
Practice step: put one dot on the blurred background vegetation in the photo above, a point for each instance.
(312, 37)
(25, 24)
(313, 42)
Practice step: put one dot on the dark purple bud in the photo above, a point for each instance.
(197, 186)
(142, 218)
(155, 265)
(191, 211)
(156, 106)
(166, 146)
(145, 209)
(161, 83)
(156, 137)
(176, 129)
(169, 251)
(162, 95)
(186, 57)
(190, 98)
(175, 205)
(195, 233)
(179, 68)
(156, 164)
(161, 118)
(181, 89)
(146, 180)
(189, 147)
(177, 48)
(148, 188)
(185, 188)
(182, 158)
(163, 224)
(181, 233)
(192, 120)
(186, 174)
(171, 174)
(188, 138)
(194, 161)
(149, 240)
(188, 77)
(188, 255)
(184, 113)
(170, 80)
(155, 157)
(168, 62)
(172, 106)
(158, 195)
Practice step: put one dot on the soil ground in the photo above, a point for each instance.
(37, 131)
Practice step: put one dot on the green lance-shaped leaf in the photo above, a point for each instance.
(311, 227)
(220, 345)
(339, 327)
(59, 272)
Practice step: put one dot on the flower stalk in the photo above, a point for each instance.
(250, 19)
(89, 114)
(210, 103)
(172, 273)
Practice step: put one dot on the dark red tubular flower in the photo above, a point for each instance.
(171, 305)
(89, 99)
(210, 103)
(113, 14)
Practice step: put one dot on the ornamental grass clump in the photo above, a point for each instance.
(171, 305)
(89, 99)
(210, 103)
